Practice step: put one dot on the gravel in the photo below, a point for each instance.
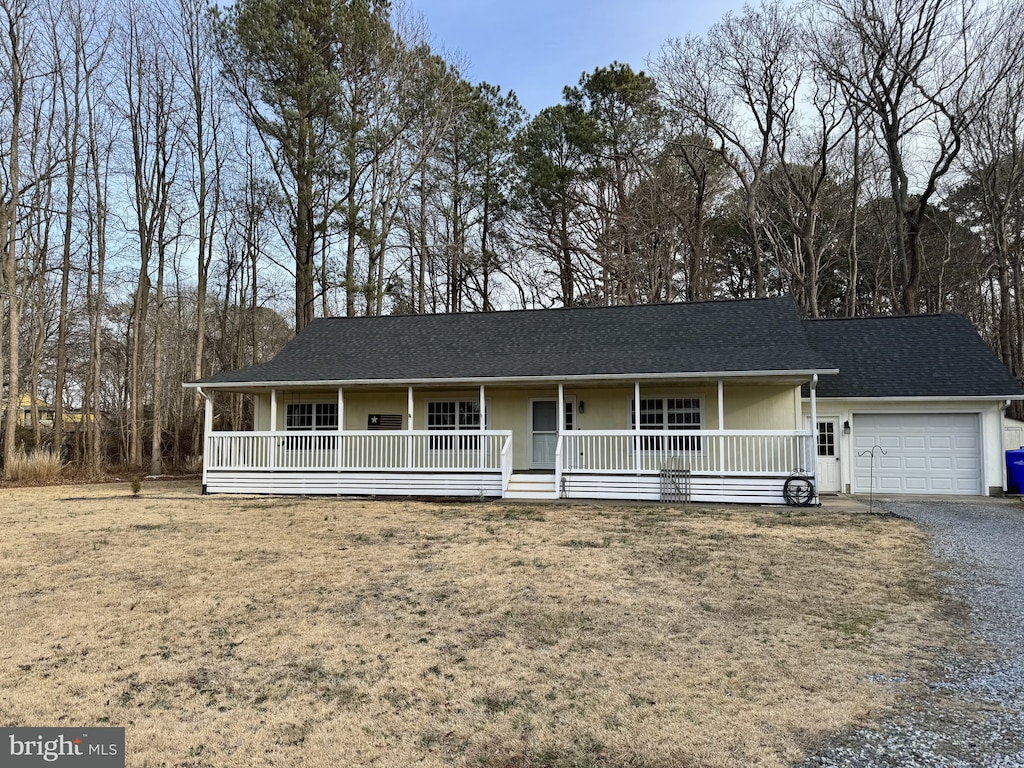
(972, 712)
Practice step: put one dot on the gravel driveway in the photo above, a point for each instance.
(974, 714)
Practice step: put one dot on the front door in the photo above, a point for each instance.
(544, 431)
(828, 456)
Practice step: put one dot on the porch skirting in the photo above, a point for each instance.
(392, 483)
(647, 487)
(697, 488)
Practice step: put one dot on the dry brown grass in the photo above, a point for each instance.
(243, 631)
(39, 466)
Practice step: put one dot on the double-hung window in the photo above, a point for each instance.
(669, 415)
(313, 417)
(454, 416)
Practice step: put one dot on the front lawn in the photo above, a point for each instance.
(247, 631)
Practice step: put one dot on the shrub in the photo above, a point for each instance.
(39, 466)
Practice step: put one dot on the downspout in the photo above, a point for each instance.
(812, 449)
(1002, 443)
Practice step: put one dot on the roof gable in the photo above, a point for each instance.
(759, 335)
(908, 356)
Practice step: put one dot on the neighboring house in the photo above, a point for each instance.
(691, 402)
(917, 406)
(47, 413)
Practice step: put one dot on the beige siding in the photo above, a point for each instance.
(746, 406)
(762, 407)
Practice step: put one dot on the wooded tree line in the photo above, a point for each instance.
(185, 187)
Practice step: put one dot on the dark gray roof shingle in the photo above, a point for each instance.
(908, 356)
(729, 336)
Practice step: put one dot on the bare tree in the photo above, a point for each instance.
(911, 65)
(739, 86)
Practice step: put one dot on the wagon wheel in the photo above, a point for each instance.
(798, 491)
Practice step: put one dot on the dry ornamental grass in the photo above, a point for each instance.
(242, 631)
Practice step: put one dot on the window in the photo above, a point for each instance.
(669, 414)
(454, 416)
(312, 417)
(826, 438)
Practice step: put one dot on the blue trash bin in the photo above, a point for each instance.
(1015, 471)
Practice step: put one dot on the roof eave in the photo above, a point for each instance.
(597, 377)
(916, 398)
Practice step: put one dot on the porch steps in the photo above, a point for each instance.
(531, 486)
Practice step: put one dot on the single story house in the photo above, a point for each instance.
(715, 401)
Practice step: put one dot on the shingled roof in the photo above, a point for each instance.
(908, 356)
(763, 336)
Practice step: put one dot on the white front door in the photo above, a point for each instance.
(828, 456)
(544, 430)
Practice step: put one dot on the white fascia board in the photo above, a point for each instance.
(513, 379)
(922, 399)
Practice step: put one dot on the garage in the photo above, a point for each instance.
(925, 453)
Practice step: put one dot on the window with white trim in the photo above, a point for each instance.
(312, 417)
(669, 414)
(454, 416)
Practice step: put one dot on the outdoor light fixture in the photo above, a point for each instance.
(846, 427)
(581, 406)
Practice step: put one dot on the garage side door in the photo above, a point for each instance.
(924, 453)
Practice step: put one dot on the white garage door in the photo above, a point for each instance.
(924, 453)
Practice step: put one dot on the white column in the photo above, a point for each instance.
(273, 428)
(339, 455)
(721, 425)
(409, 438)
(208, 413)
(559, 447)
(812, 450)
(207, 430)
(636, 426)
(483, 426)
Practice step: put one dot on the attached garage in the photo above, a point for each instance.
(928, 453)
(927, 390)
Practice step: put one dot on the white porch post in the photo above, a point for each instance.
(483, 426)
(559, 427)
(340, 453)
(207, 430)
(636, 426)
(721, 426)
(812, 449)
(273, 428)
(409, 437)
(207, 414)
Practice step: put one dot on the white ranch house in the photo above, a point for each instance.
(716, 401)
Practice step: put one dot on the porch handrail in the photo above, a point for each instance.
(336, 450)
(776, 452)
(506, 462)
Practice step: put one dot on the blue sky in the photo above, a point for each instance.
(537, 47)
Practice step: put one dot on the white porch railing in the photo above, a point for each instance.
(726, 465)
(712, 452)
(486, 451)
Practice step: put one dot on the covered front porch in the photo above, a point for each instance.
(534, 454)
